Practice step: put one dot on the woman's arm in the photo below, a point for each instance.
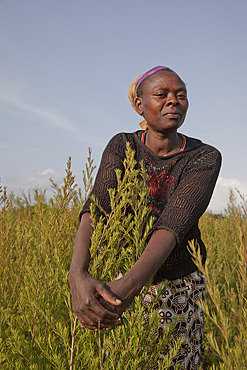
(191, 197)
(158, 249)
(86, 290)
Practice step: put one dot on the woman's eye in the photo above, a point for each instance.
(160, 95)
(182, 96)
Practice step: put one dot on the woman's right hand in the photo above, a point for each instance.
(86, 292)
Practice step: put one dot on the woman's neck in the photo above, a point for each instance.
(163, 144)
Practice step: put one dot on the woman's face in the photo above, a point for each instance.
(163, 101)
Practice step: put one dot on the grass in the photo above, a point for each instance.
(37, 324)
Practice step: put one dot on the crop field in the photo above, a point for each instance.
(38, 327)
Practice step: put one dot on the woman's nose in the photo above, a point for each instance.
(171, 99)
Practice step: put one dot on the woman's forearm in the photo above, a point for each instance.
(84, 289)
(158, 249)
(81, 254)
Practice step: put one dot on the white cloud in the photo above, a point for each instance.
(12, 96)
(221, 193)
(42, 179)
(49, 172)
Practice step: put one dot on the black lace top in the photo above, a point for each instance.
(181, 186)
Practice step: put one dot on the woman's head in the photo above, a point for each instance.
(145, 75)
(160, 96)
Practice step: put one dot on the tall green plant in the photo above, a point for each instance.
(38, 327)
(118, 240)
(226, 301)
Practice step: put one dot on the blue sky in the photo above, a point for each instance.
(66, 67)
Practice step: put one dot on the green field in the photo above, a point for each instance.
(38, 327)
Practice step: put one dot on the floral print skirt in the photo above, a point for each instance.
(178, 301)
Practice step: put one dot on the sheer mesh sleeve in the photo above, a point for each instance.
(112, 158)
(192, 195)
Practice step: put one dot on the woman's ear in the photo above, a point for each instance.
(138, 105)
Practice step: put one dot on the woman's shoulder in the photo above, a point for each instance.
(202, 155)
(117, 145)
(199, 145)
(124, 136)
(118, 141)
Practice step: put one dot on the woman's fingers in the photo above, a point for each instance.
(89, 324)
(108, 296)
(97, 313)
(103, 314)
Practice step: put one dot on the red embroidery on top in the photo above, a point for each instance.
(161, 184)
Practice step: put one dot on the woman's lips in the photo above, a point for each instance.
(172, 115)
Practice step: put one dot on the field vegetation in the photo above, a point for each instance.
(38, 329)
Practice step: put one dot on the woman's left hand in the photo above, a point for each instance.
(118, 288)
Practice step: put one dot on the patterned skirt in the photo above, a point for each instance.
(178, 302)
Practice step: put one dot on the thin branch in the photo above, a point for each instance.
(72, 343)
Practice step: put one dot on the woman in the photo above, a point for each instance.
(182, 173)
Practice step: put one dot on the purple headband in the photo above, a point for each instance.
(148, 73)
